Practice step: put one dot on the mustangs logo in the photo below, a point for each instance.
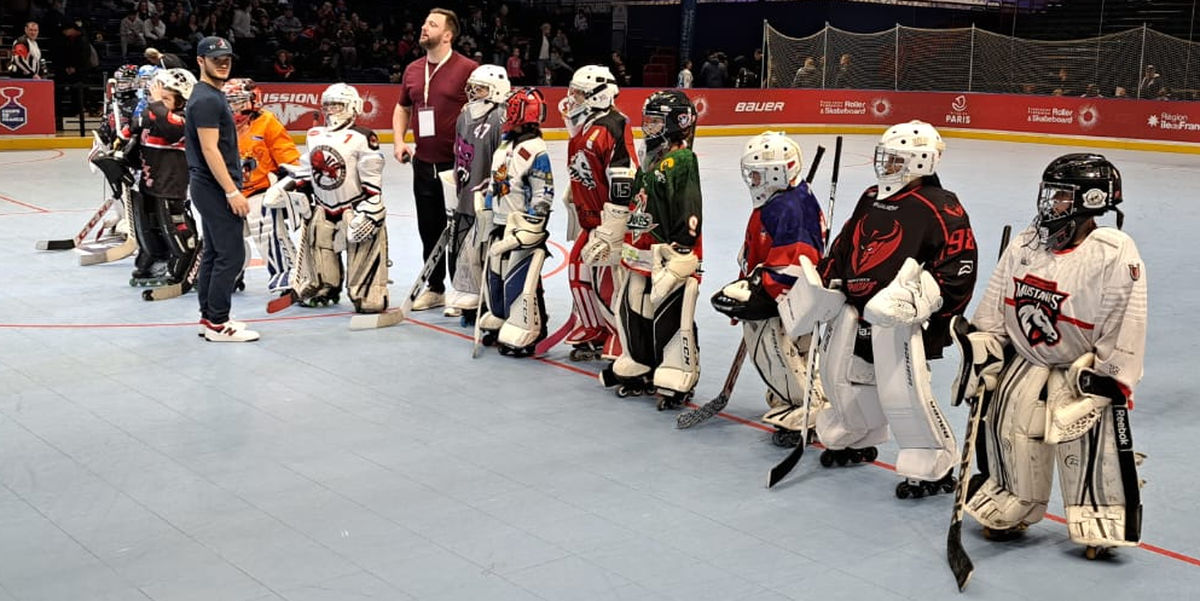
(580, 171)
(1038, 303)
(328, 168)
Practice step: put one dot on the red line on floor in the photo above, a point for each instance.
(177, 324)
(24, 204)
(58, 154)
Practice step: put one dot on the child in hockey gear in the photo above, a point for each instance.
(145, 82)
(661, 251)
(601, 165)
(343, 172)
(517, 205)
(121, 98)
(477, 135)
(1059, 347)
(264, 145)
(902, 266)
(163, 222)
(786, 223)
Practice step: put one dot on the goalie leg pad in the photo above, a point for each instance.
(676, 335)
(854, 417)
(927, 447)
(587, 306)
(367, 273)
(1100, 486)
(1020, 465)
(468, 265)
(525, 315)
(781, 361)
(268, 228)
(635, 317)
(179, 231)
(324, 262)
(808, 302)
(148, 229)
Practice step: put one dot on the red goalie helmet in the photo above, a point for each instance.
(526, 106)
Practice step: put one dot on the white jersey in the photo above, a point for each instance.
(1055, 306)
(344, 166)
(521, 180)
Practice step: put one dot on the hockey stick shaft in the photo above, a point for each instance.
(783, 468)
(435, 256)
(483, 291)
(706, 411)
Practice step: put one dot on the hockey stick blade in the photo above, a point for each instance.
(163, 292)
(55, 244)
(552, 340)
(781, 470)
(956, 555)
(687, 419)
(108, 255)
(372, 321)
(282, 302)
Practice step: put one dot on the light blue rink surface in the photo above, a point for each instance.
(143, 463)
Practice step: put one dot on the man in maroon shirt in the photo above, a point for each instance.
(432, 93)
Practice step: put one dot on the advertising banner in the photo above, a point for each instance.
(27, 107)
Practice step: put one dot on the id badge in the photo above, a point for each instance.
(425, 122)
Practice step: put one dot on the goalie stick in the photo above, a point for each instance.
(780, 471)
(179, 288)
(703, 413)
(956, 554)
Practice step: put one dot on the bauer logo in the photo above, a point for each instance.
(958, 114)
(758, 107)
(13, 114)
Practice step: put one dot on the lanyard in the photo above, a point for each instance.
(429, 76)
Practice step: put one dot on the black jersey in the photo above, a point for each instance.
(163, 165)
(923, 221)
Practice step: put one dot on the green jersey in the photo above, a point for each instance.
(669, 195)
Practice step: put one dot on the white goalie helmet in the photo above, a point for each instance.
(487, 85)
(592, 88)
(906, 152)
(177, 80)
(771, 162)
(341, 104)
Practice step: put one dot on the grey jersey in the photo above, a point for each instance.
(475, 140)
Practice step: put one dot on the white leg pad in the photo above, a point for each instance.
(680, 367)
(1100, 492)
(927, 447)
(854, 417)
(997, 508)
(524, 324)
(463, 292)
(367, 277)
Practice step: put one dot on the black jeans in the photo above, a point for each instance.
(431, 215)
(224, 252)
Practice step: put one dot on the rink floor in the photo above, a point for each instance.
(139, 462)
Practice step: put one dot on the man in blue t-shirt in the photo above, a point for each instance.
(215, 183)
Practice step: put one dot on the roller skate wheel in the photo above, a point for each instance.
(870, 454)
(623, 391)
(841, 459)
(147, 295)
(903, 491)
(1094, 553)
(826, 458)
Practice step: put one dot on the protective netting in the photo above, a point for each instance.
(1135, 63)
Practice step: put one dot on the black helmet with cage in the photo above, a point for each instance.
(1075, 188)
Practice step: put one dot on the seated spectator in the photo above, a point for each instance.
(807, 76)
(1119, 92)
(132, 32)
(1062, 84)
(288, 22)
(1151, 85)
(283, 67)
(1092, 91)
(154, 30)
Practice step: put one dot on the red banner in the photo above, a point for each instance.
(27, 107)
(298, 104)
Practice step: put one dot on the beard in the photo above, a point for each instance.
(428, 43)
(211, 73)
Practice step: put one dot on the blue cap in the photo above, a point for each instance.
(213, 46)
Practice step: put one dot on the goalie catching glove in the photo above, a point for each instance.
(1073, 408)
(746, 299)
(909, 300)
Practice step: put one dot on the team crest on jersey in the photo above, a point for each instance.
(328, 168)
(872, 248)
(500, 182)
(580, 171)
(1038, 303)
(1135, 271)
(464, 154)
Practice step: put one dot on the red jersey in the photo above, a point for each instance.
(606, 142)
(447, 95)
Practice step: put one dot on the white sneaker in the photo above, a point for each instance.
(452, 312)
(428, 300)
(226, 333)
(233, 323)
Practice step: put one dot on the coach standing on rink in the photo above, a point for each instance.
(215, 182)
(432, 94)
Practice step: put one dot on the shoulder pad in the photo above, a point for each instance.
(369, 134)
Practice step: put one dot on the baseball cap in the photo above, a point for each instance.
(213, 46)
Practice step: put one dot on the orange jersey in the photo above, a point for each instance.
(267, 142)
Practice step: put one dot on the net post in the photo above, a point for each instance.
(971, 61)
(1141, 62)
(762, 75)
(896, 59)
(824, 54)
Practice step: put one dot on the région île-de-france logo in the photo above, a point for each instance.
(1038, 304)
(13, 114)
(328, 168)
(1172, 122)
(958, 114)
(1088, 116)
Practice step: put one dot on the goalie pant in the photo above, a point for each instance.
(600, 163)
(656, 304)
(519, 198)
(475, 136)
(162, 218)
(343, 169)
(1054, 309)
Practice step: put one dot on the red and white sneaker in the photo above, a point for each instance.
(225, 332)
(204, 323)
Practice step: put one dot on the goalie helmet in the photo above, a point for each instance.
(592, 89)
(244, 98)
(1074, 189)
(906, 152)
(668, 117)
(487, 86)
(341, 105)
(771, 162)
(125, 79)
(180, 81)
(526, 106)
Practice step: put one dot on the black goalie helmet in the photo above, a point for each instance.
(1075, 188)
